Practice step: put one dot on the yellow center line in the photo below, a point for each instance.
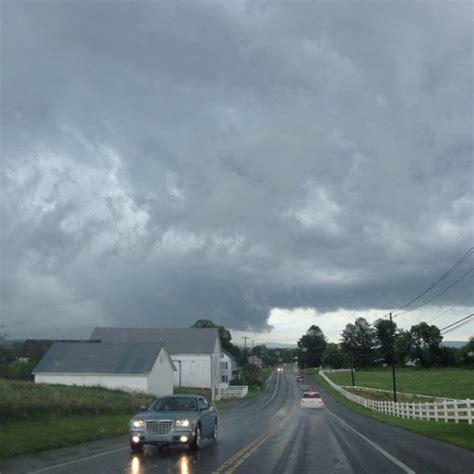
(241, 456)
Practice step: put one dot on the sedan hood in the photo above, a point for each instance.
(166, 415)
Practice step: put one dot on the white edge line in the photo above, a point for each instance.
(274, 392)
(382, 451)
(77, 460)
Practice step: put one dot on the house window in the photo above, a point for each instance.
(224, 365)
(225, 379)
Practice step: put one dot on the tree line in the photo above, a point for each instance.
(366, 345)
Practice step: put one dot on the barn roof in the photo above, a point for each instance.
(176, 340)
(99, 358)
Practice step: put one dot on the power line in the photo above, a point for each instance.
(438, 294)
(440, 279)
(457, 322)
(457, 327)
(449, 309)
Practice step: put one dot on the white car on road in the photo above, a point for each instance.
(312, 400)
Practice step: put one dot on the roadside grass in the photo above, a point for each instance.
(461, 435)
(51, 432)
(265, 373)
(27, 401)
(388, 396)
(35, 417)
(206, 392)
(448, 383)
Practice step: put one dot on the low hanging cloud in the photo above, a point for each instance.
(168, 162)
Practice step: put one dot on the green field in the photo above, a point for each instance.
(27, 401)
(448, 383)
(58, 431)
(458, 434)
(34, 417)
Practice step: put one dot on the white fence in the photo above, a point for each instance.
(335, 371)
(443, 410)
(234, 391)
(367, 389)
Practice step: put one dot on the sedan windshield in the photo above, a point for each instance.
(175, 404)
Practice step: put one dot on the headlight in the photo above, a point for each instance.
(183, 423)
(138, 423)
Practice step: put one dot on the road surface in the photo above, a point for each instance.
(270, 434)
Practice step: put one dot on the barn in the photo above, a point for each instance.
(134, 367)
(195, 352)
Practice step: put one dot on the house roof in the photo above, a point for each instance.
(99, 358)
(37, 348)
(228, 354)
(177, 341)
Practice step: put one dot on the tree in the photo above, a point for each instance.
(311, 347)
(446, 357)
(224, 334)
(384, 332)
(466, 354)
(403, 343)
(358, 341)
(425, 344)
(334, 357)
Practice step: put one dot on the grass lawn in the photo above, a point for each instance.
(206, 392)
(35, 417)
(458, 434)
(266, 373)
(26, 401)
(449, 383)
(388, 396)
(50, 432)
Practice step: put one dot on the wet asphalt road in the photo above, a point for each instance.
(270, 434)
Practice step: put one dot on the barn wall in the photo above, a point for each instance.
(161, 377)
(130, 383)
(195, 370)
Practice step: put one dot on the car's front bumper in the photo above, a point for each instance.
(173, 437)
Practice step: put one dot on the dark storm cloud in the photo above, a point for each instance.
(164, 162)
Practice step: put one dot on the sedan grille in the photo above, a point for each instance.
(159, 427)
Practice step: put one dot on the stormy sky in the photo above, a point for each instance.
(260, 164)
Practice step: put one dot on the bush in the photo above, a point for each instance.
(19, 370)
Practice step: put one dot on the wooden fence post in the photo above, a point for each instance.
(445, 406)
(469, 411)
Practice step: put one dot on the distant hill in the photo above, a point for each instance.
(279, 345)
(273, 345)
(455, 344)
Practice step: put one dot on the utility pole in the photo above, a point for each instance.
(352, 369)
(394, 381)
(245, 339)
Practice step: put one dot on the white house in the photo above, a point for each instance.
(227, 366)
(255, 360)
(126, 366)
(195, 352)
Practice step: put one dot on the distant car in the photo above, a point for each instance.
(174, 419)
(300, 379)
(280, 369)
(312, 400)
